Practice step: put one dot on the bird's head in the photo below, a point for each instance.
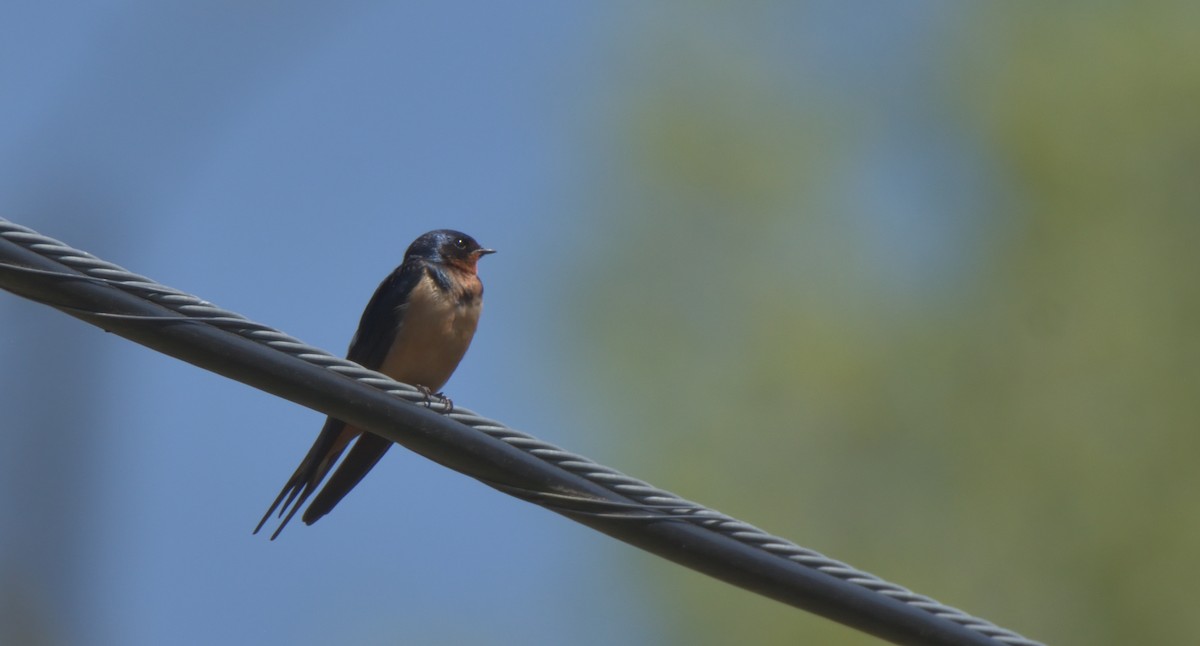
(449, 247)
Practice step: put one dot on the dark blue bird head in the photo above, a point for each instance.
(447, 246)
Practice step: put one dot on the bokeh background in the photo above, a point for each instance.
(911, 284)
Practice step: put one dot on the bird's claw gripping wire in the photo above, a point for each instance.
(439, 398)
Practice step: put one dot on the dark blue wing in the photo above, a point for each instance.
(376, 331)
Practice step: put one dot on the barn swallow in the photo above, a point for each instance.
(416, 329)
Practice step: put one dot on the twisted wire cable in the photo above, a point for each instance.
(644, 501)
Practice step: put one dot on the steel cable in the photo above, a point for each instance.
(635, 501)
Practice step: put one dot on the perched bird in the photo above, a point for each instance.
(416, 329)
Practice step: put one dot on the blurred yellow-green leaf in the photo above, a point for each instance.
(1013, 432)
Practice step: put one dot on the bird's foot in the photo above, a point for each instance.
(438, 397)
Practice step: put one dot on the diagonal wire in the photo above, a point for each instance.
(644, 502)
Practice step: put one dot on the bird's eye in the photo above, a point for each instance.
(460, 243)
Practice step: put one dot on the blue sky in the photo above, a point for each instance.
(277, 159)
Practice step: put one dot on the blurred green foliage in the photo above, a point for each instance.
(1016, 436)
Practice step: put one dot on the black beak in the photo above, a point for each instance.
(484, 252)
